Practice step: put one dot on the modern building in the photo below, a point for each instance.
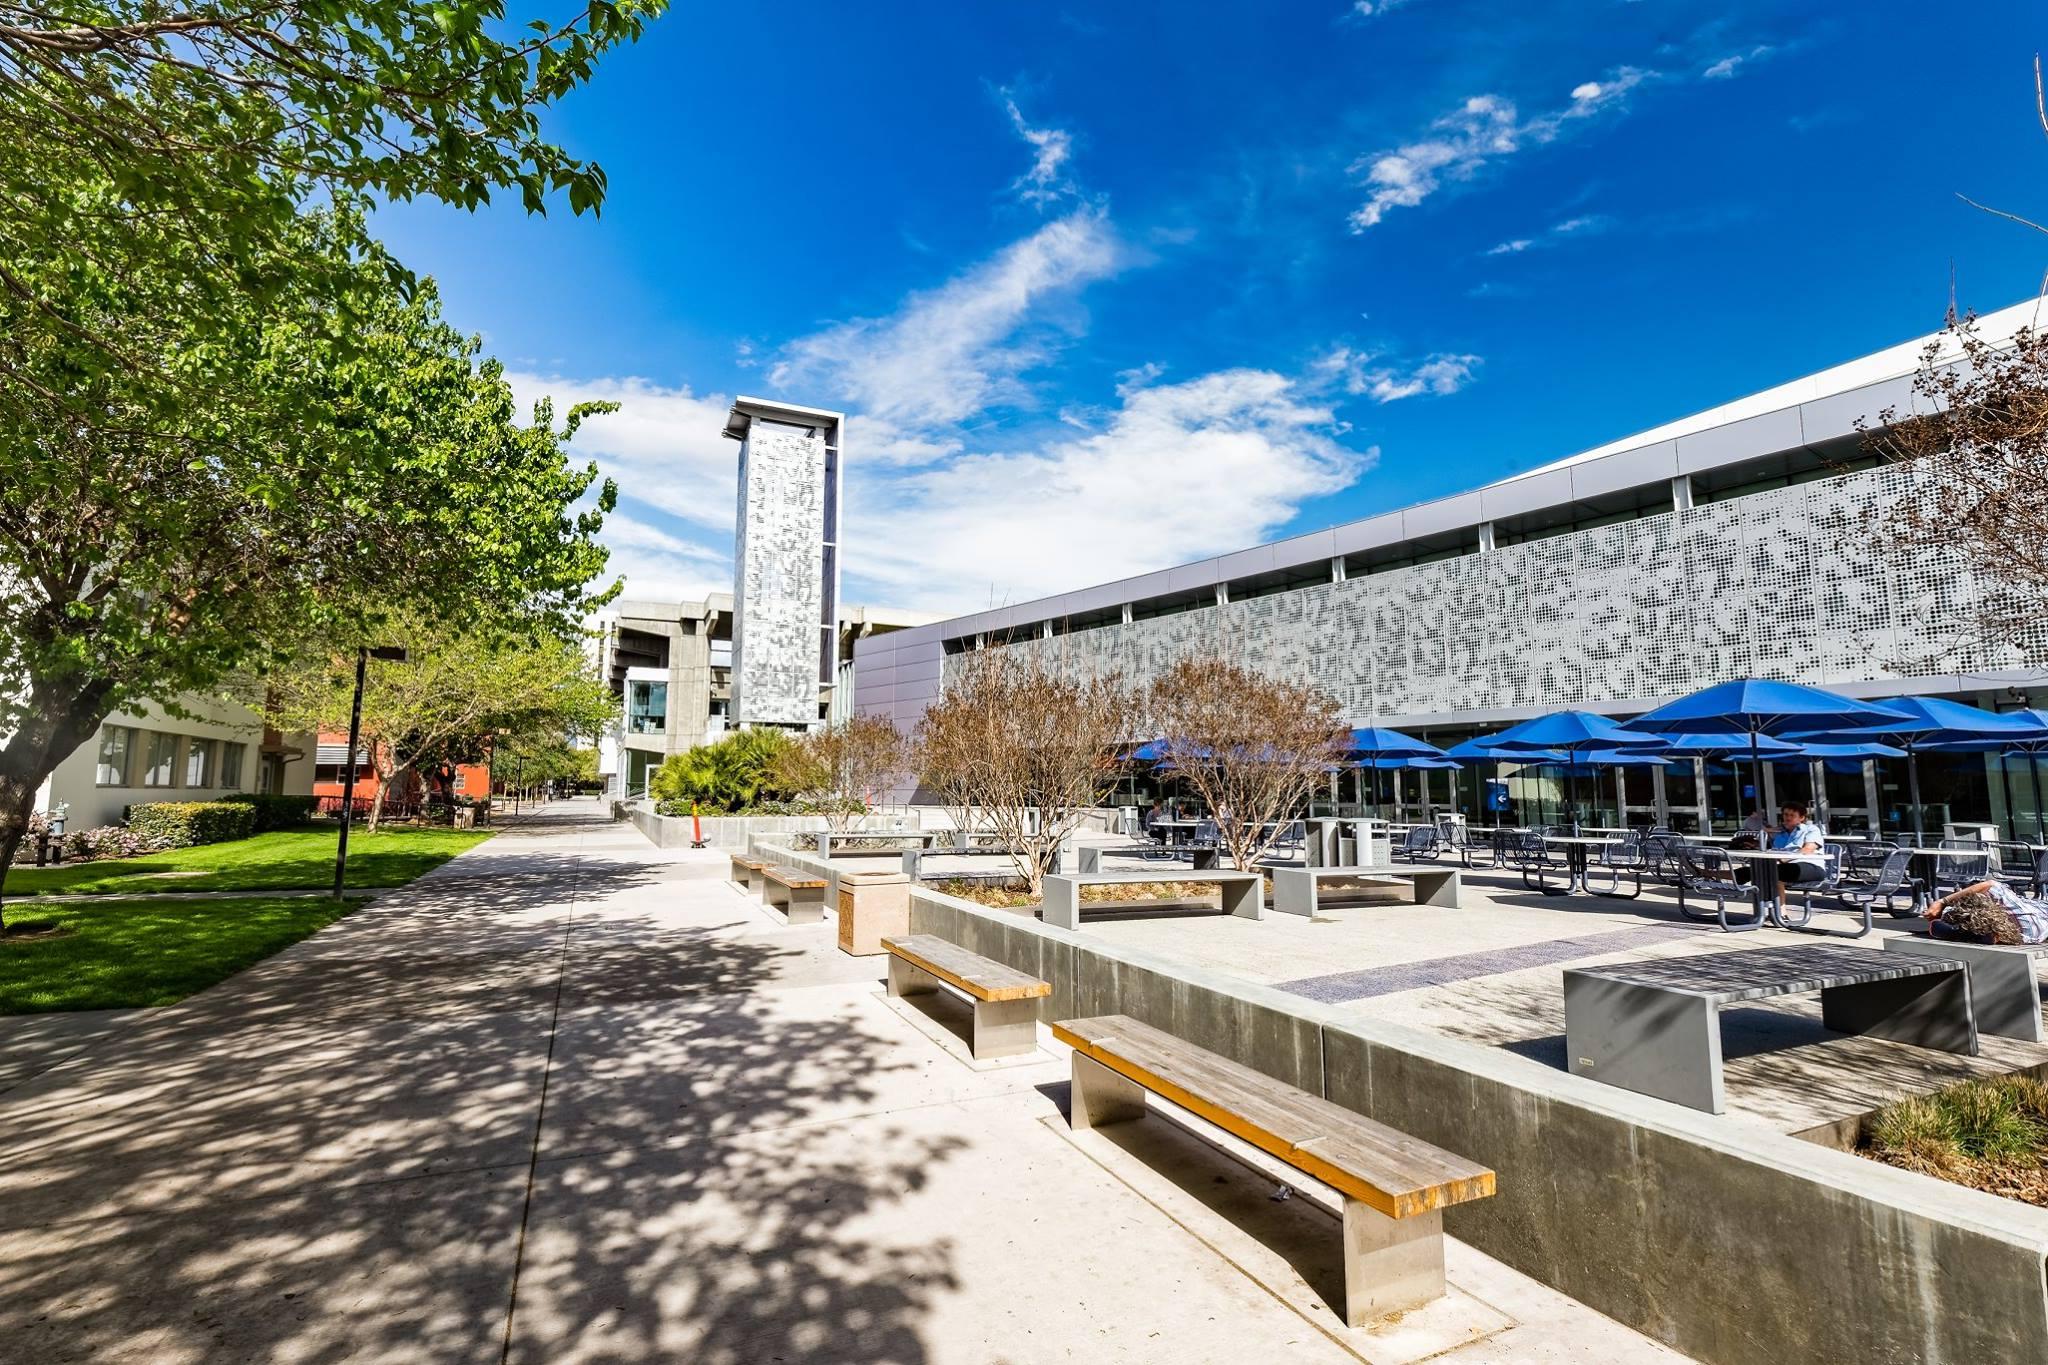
(146, 753)
(785, 561)
(1747, 540)
(673, 665)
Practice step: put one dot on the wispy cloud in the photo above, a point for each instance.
(1373, 9)
(1361, 374)
(1462, 143)
(1046, 182)
(1726, 67)
(1581, 225)
(955, 352)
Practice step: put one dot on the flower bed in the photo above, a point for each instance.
(1991, 1135)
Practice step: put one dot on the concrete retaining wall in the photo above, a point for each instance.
(1731, 1243)
(731, 832)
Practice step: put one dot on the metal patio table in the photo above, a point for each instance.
(1577, 849)
(1764, 864)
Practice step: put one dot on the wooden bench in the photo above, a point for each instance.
(1005, 999)
(746, 873)
(799, 896)
(1298, 890)
(1654, 1026)
(1395, 1187)
(1244, 893)
(2002, 990)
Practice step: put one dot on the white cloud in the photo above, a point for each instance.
(1514, 247)
(1729, 65)
(1363, 375)
(1176, 472)
(955, 352)
(1585, 225)
(1373, 9)
(1462, 143)
(1046, 181)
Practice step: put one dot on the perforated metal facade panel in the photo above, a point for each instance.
(779, 575)
(1796, 583)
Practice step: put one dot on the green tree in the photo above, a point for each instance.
(731, 774)
(456, 694)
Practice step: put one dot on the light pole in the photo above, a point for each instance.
(355, 738)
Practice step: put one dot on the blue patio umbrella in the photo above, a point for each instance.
(1710, 745)
(1757, 708)
(2032, 748)
(1481, 749)
(1940, 725)
(1572, 733)
(1151, 751)
(1374, 746)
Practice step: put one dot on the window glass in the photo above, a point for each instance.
(116, 743)
(231, 766)
(647, 708)
(198, 762)
(160, 767)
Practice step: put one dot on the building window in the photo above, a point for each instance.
(231, 766)
(160, 766)
(198, 762)
(646, 708)
(117, 745)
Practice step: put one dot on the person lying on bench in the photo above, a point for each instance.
(1987, 912)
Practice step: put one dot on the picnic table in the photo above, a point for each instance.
(1577, 848)
(1764, 864)
(1654, 1026)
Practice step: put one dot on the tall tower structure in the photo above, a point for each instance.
(785, 641)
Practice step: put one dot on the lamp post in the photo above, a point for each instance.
(355, 738)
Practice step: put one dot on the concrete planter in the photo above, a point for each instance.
(872, 906)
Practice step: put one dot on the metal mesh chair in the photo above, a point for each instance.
(1623, 858)
(1419, 845)
(1832, 884)
(1705, 874)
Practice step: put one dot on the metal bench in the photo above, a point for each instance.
(1004, 999)
(1395, 1187)
(1203, 856)
(1244, 893)
(1654, 1026)
(746, 874)
(1299, 890)
(2002, 990)
(851, 841)
(799, 896)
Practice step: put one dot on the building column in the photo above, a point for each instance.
(1681, 493)
(1486, 537)
(1703, 808)
(1872, 798)
(1660, 807)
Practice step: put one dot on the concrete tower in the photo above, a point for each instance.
(785, 561)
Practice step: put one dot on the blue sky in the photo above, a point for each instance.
(1107, 290)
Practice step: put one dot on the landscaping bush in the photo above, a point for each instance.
(181, 824)
(275, 812)
(1990, 1133)
(108, 841)
(729, 777)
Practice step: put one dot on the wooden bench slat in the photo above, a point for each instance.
(792, 880)
(980, 977)
(1399, 1175)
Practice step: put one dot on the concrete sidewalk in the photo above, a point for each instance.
(572, 1098)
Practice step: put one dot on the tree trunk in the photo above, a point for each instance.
(384, 775)
(17, 803)
(57, 724)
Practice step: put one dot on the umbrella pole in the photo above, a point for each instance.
(1913, 788)
(2034, 767)
(2012, 819)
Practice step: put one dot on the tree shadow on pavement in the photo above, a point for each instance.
(328, 1156)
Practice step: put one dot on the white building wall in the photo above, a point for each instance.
(74, 783)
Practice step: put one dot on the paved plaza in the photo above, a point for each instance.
(573, 1098)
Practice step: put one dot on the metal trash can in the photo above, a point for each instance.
(872, 906)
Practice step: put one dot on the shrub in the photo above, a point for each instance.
(180, 824)
(732, 775)
(275, 812)
(108, 841)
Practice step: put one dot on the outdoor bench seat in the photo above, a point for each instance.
(798, 895)
(1298, 890)
(1203, 856)
(1004, 999)
(1395, 1187)
(746, 873)
(1244, 893)
(2002, 989)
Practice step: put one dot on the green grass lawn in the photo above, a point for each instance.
(127, 953)
(285, 860)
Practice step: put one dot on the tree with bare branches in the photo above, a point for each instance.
(1977, 439)
(1027, 746)
(1254, 748)
(845, 764)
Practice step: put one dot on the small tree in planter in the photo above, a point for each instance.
(843, 765)
(1254, 748)
(1027, 746)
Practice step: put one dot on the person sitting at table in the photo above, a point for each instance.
(1152, 819)
(1987, 912)
(1798, 834)
(1754, 829)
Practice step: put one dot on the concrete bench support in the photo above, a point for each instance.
(1244, 893)
(2002, 989)
(1297, 890)
(800, 899)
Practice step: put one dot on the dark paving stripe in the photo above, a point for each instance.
(1441, 971)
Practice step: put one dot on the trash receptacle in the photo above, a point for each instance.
(872, 906)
